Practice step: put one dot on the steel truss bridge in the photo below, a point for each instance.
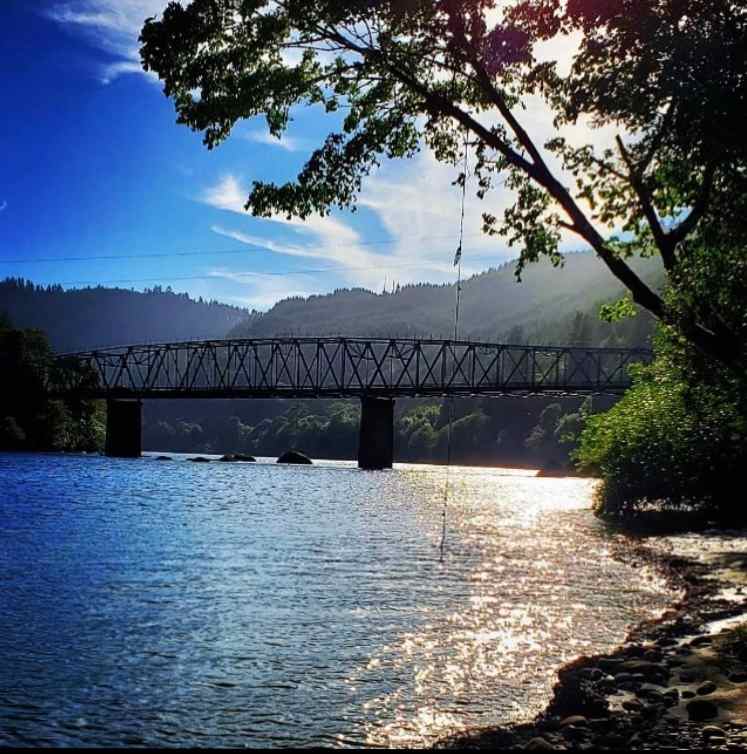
(340, 368)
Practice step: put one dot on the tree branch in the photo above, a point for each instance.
(678, 234)
(663, 242)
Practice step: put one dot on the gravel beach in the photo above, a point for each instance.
(679, 682)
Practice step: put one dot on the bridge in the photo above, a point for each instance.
(375, 370)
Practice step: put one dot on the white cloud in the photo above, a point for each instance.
(267, 244)
(340, 246)
(288, 143)
(325, 238)
(3, 206)
(227, 194)
(112, 25)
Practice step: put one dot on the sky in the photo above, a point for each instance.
(95, 165)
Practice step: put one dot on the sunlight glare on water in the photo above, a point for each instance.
(267, 605)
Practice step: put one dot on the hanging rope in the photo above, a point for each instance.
(458, 255)
(458, 265)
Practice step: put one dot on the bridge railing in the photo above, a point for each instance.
(341, 367)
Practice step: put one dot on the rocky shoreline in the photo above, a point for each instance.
(679, 682)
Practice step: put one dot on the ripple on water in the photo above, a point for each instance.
(257, 604)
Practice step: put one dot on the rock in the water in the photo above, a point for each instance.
(164, 458)
(200, 459)
(294, 456)
(738, 677)
(234, 457)
(701, 709)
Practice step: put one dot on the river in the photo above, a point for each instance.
(183, 604)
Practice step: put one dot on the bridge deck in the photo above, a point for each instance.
(340, 367)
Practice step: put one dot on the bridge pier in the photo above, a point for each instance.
(124, 421)
(376, 440)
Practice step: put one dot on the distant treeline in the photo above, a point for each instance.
(90, 317)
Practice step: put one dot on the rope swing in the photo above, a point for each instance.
(458, 265)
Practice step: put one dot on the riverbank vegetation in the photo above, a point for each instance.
(678, 439)
(532, 433)
(28, 419)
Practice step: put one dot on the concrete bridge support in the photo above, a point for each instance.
(124, 420)
(376, 442)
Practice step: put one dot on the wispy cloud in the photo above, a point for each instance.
(263, 292)
(111, 25)
(334, 242)
(288, 143)
(3, 205)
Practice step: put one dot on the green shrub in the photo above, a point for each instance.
(667, 444)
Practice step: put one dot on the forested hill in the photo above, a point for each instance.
(90, 317)
(543, 308)
(550, 305)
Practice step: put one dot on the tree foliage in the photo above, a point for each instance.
(678, 438)
(669, 75)
(28, 419)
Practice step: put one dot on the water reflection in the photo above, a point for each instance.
(222, 604)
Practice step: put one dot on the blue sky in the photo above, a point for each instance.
(95, 165)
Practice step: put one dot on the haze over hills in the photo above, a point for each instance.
(543, 308)
(494, 306)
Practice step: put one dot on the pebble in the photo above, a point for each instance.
(539, 744)
(701, 641)
(642, 667)
(701, 709)
(713, 730)
(609, 664)
(707, 688)
(666, 641)
(738, 677)
(573, 720)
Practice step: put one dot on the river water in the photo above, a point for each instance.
(175, 604)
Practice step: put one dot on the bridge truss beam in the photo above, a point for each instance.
(340, 367)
